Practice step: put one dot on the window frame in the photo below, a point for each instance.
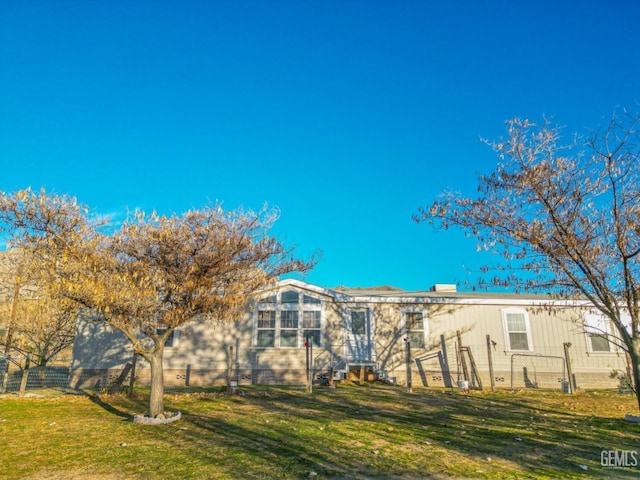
(306, 302)
(406, 312)
(283, 316)
(318, 329)
(268, 307)
(600, 319)
(527, 324)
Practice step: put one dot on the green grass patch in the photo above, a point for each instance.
(352, 432)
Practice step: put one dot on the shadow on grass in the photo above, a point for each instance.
(109, 408)
(498, 433)
(368, 432)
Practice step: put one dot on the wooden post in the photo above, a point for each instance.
(229, 369)
(306, 345)
(311, 371)
(567, 359)
(475, 376)
(408, 366)
(490, 357)
(25, 376)
(463, 362)
(443, 358)
(115, 387)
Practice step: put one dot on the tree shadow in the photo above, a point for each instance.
(109, 408)
(275, 430)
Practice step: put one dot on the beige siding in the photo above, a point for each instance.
(544, 365)
(202, 350)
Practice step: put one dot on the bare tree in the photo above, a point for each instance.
(43, 327)
(37, 326)
(153, 273)
(565, 218)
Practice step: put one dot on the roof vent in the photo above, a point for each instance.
(444, 287)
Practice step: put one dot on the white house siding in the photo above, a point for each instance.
(201, 351)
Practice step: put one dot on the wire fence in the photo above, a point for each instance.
(15, 376)
(538, 371)
(544, 370)
(34, 379)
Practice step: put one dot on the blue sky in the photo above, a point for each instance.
(345, 115)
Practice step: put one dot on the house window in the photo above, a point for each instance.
(271, 299)
(312, 300)
(311, 322)
(266, 328)
(517, 330)
(414, 325)
(289, 328)
(597, 328)
(359, 322)
(290, 297)
(169, 342)
(287, 320)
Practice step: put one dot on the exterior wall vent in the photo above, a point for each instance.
(444, 287)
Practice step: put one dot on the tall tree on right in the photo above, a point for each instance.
(564, 216)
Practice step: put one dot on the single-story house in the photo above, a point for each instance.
(430, 338)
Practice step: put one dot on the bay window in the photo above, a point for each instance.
(287, 320)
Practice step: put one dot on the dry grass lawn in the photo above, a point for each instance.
(352, 432)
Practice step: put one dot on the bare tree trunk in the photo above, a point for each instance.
(156, 399)
(634, 355)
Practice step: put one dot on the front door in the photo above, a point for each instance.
(359, 336)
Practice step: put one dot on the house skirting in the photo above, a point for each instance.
(195, 377)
